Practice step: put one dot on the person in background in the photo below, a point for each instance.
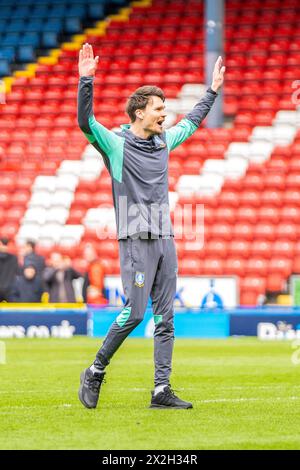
(30, 257)
(58, 279)
(8, 269)
(93, 286)
(27, 287)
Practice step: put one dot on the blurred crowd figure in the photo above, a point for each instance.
(93, 285)
(58, 279)
(8, 269)
(30, 257)
(27, 286)
(30, 278)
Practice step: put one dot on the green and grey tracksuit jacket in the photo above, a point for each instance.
(138, 167)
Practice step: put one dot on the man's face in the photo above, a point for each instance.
(29, 272)
(56, 260)
(27, 249)
(3, 247)
(153, 115)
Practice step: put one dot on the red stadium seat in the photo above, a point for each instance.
(9, 230)
(108, 248)
(8, 183)
(271, 198)
(213, 266)
(275, 283)
(293, 181)
(2, 215)
(250, 198)
(253, 284)
(190, 266)
(296, 264)
(264, 231)
(291, 197)
(239, 248)
(256, 266)
(243, 231)
(294, 164)
(287, 231)
(248, 298)
(280, 266)
(20, 198)
(225, 214)
(232, 185)
(253, 182)
(246, 214)
(275, 181)
(194, 249)
(261, 248)
(191, 166)
(228, 199)
(234, 266)
(296, 248)
(102, 199)
(217, 248)
(283, 248)
(221, 231)
(82, 199)
(266, 214)
(4, 200)
(14, 214)
(76, 215)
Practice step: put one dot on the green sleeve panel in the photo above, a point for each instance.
(111, 144)
(176, 135)
(90, 138)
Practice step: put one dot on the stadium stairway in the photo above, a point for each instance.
(247, 175)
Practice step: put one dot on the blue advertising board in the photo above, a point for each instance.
(188, 323)
(43, 324)
(266, 323)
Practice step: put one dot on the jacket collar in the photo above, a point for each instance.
(153, 141)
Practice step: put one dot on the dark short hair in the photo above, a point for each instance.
(31, 243)
(4, 241)
(140, 98)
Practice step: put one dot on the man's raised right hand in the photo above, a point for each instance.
(87, 64)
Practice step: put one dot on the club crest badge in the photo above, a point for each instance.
(139, 279)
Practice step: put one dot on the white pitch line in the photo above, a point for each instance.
(246, 387)
(260, 387)
(17, 392)
(239, 400)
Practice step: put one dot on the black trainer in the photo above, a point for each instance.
(168, 399)
(89, 389)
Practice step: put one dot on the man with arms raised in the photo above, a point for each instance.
(137, 160)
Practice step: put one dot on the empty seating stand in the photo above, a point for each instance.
(28, 25)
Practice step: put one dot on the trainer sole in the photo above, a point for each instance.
(172, 407)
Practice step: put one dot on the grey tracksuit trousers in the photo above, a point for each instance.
(148, 268)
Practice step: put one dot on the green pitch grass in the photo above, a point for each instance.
(246, 395)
